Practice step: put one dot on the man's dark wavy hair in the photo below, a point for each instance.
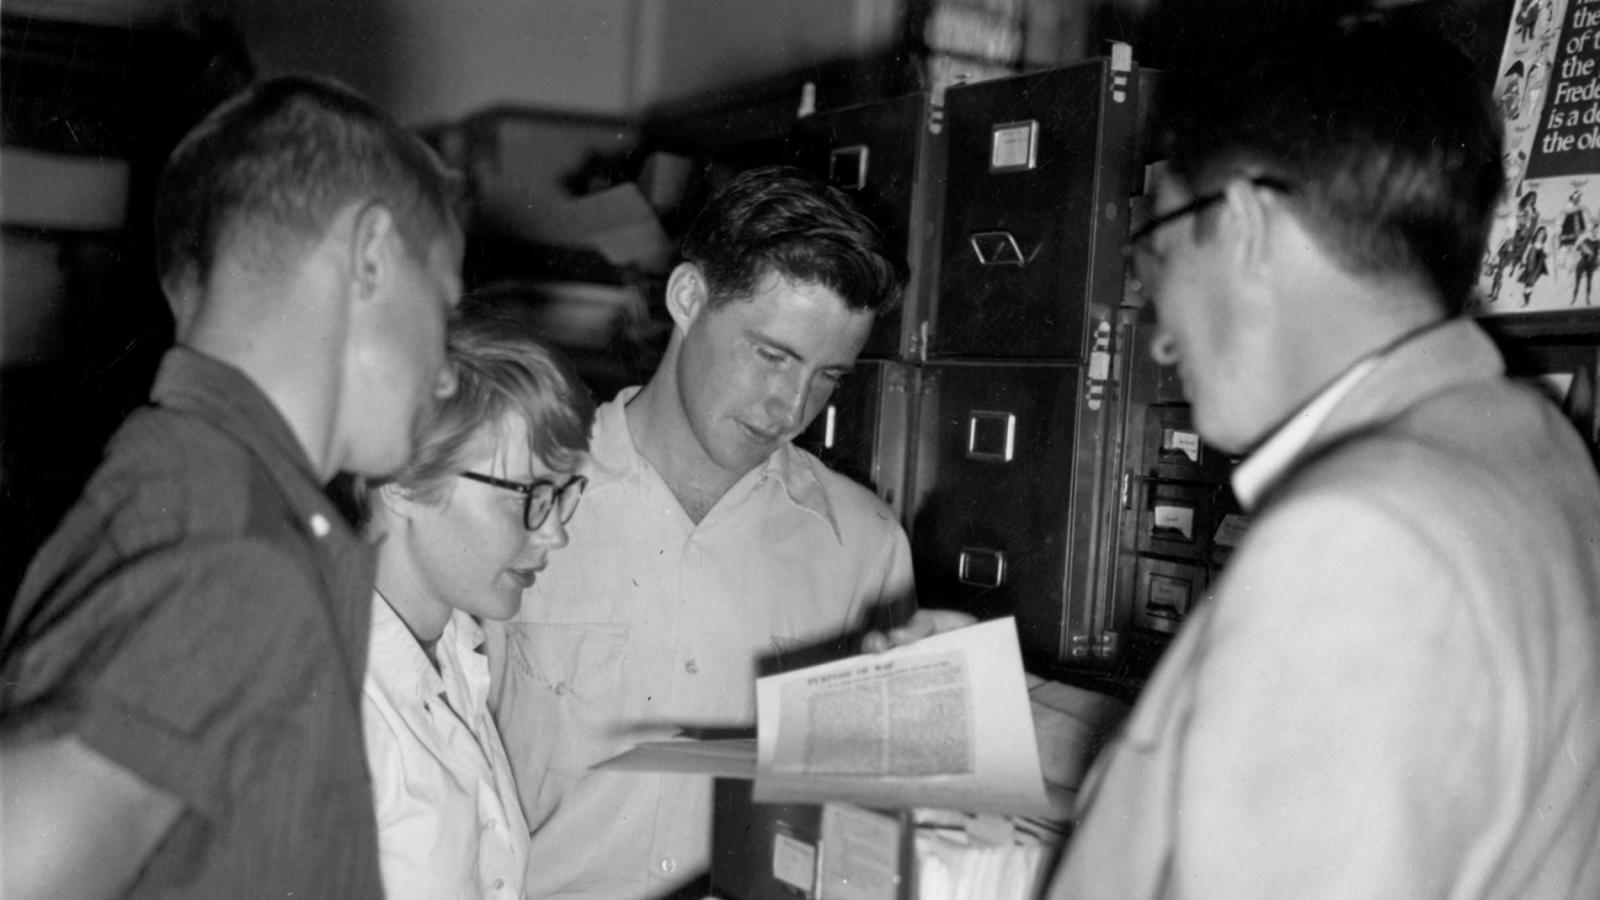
(785, 221)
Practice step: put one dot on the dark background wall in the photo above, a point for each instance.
(122, 93)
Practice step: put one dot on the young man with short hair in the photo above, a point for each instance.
(180, 707)
(706, 541)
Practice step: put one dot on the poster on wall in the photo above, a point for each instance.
(1544, 244)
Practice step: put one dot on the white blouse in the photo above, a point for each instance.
(449, 824)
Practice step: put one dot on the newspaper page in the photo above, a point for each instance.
(888, 717)
(943, 722)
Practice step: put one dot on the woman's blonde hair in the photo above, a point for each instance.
(500, 369)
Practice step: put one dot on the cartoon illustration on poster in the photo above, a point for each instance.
(1544, 245)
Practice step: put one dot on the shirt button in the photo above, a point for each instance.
(692, 667)
(498, 883)
(319, 525)
(668, 864)
(561, 689)
(491, 825)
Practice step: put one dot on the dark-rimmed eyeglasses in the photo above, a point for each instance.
(540, 496)
(1197, 205)
(1142, 261)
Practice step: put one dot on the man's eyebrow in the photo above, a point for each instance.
(772, 342)
(792, 353)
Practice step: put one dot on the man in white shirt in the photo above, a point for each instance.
(1391, 692)
(706, 541)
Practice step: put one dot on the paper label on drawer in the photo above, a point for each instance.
(1099, 365)
(1013, 146)
(860, 854)
(794, 862)
(1185, 442)
(1176, 518)
(1169, 595)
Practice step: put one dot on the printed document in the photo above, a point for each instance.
(943, 722)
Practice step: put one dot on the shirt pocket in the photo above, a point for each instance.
(568, 658)
(567, 689)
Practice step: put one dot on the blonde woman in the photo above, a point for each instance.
(464, 529)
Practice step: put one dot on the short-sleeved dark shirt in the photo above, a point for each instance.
(200, 619)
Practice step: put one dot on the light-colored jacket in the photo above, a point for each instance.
(1395, 691)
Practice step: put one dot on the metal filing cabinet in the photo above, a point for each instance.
(1179, 519)
(1013, 497)
(1037, 185)
(1000, 435)
(1014, 512)
(889, 156)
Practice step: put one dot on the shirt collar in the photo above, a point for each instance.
(203, 386)
(796, 472)
(193, 382)
(403, 671)
(466, 634)
(612, 455)
(1272, 458)
(395, 659)
(1415, 365)
(614, 458)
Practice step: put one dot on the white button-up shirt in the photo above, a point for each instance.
(449, 824)
(649, 622)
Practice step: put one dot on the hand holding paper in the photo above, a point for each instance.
(923, 623)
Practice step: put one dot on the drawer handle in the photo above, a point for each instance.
(991, 436)
(847, 167)
(981, 567)
(1000, 248)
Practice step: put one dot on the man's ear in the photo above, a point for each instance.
(686, 294)
(1265, 246)
(1251, 211)
(372, 250)
(397, 503)
(182, 289)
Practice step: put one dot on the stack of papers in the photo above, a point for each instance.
(943, 728)
(966, 857)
